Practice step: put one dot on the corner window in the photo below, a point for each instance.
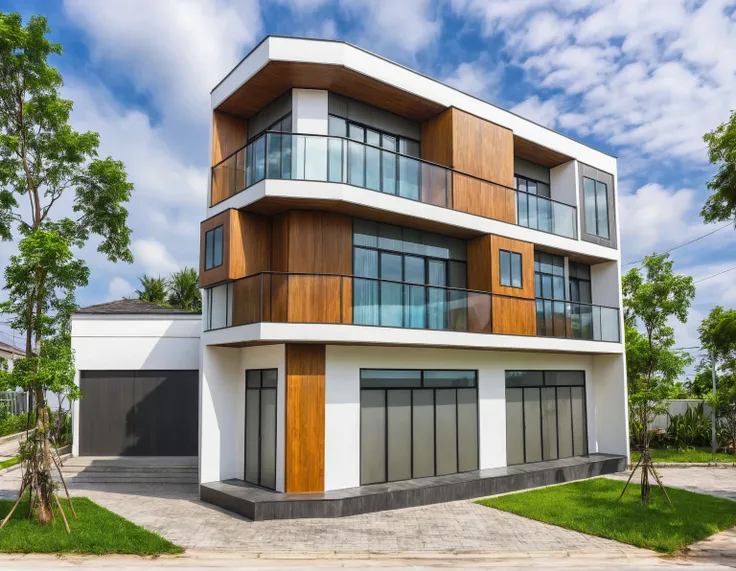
(510, 269)
(213, 248)
(595, 199)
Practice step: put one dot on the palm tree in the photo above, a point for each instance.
(152, 289)
(184, 290)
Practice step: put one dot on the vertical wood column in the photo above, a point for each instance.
(305, 418)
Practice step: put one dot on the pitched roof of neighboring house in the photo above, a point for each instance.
(133, 306)
(10, 349)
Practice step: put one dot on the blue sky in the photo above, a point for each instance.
(641, 79)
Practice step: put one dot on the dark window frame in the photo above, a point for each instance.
(528, 179)
(511, 254)
(411, 434)
(597, 230)
(271, 128)
(260, 388)
(522, 388)
(381, 132)
(210, 255)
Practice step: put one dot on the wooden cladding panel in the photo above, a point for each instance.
(526, 249)
(220, 273)
(483, 198)
(483, 149)
(229, 133)
(276, 77)
(246, 301)
(305, 418)
(320, 242)
(514, 316)
(437, 139)
(479, 263)
(314, 299)
(538, 154)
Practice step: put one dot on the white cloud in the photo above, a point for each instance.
(476, 78)
(119, 288)
(543, 112)
(173, 50)
(154, 257)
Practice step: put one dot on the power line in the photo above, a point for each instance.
(686, 243)
(714, 275)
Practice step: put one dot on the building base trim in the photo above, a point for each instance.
(260, 504)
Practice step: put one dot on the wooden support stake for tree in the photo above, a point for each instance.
(7, 517)
(629, 480)
(63, 515)
(661, 486)
(63, 481)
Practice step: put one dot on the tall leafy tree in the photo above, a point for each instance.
(721, 203)
(152, 289)
(184, 290)
(718, 335)
(55, 194)
(651, 298)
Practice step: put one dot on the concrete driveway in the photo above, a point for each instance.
(454, 528)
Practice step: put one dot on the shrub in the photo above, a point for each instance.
(690, 429)
(13, 423)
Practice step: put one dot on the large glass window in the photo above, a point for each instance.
(549, 287)
(417, 423)
(510, 270)
(545, 415)
(581, 312)
(370, 165)
(407, 274)
(213, 248)
(533, 212)
(595, 199)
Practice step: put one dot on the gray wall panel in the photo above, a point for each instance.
(373, 116)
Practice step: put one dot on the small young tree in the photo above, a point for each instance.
(650, 300)
(152, 289)
(184, 290)
(44, 163)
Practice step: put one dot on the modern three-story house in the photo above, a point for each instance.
(402, 283)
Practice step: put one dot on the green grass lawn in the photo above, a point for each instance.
(9, 462)
(590, 507)
(695, 455)
(94, 531)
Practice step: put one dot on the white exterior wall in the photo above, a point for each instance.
(130, 343)
(605, 394)
(563, 185)
(222, 409)
(309, 111)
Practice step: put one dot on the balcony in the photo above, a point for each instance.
(321, 158)
(337, 299)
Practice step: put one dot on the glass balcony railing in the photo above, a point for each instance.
(330, 298)
(322, 158)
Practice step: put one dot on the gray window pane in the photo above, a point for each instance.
(558, 287)
(399, 434)
(217, 256)
(514, 428)
(391, 304)
(356, 132)
(585, 293)
(524, 378)
(388, 142)
(372, 436)
(270, 378)
(549, 423)
(409, 178)
(579, 434)
(547, 291)
(423, 433)
(447, 379)
(414, 270)
(335, 160)
(557, 378)
(337, 127)
(505, 267)
(372, 168)
(543, 189)
(253, 379)
(365, 233)
(252, 423)
(589, 205)
(388, 162)
(356, 164)
(532, 425)
(268, 438)
(467, 425)
(531, 187)
(516, 270)
(446, 431)
(390, 237)
(365, 302)
(387, 378)
(415, 306)
(209, 248)
(564, 421)
(602, 209)
(391, 267)
(365, 263)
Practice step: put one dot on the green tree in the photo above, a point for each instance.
(45, 163)
(721, 203)
(184, 290)
(651, 298)
(152, 289)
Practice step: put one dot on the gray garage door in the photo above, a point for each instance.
(138, 413)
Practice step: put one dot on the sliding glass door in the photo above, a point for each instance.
(545, 416)
(417, 423)
(260, 427)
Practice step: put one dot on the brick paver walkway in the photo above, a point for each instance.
(714, 481)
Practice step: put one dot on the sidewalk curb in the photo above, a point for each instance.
(690, 465)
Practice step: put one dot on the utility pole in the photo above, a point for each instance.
(713, 439)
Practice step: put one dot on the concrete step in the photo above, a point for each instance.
(131, 470)
(113, 479)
